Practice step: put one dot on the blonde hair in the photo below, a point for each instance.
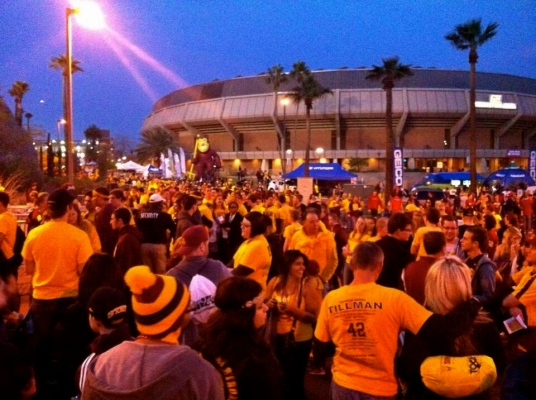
(504, 248)
(447, 285)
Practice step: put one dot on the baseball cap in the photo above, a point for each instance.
(155, 198)
(108, 305)
(191, 239)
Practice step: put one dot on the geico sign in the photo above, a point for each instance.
(532, 164)
(399, 167)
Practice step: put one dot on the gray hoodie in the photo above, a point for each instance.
(138, 371)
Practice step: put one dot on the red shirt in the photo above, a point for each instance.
(526, 205)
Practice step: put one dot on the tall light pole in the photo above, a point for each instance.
(284, 102)
(69, 97)
(92, 18)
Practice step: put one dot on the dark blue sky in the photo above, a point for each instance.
(188, 42)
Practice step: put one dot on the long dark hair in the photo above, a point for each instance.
(100, 270)
(289, 258)
(230, 332)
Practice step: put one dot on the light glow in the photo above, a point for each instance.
(89, 15)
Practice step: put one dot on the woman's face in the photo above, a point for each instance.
(246, 229)
(260, 315)
(73, 216)
(360, 225)
(297, 268)
(219, 201)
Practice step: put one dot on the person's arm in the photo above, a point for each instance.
(486, 277)
(332, 260)
(29, 266)
(242, 270)
(451, 325)
(322, 350)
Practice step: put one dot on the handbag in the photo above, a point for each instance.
(455, 377)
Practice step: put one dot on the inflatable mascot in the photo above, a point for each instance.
(206, 161)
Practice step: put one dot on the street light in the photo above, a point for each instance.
(89, 16)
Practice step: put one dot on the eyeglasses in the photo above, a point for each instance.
(448, 228)
(245, 225)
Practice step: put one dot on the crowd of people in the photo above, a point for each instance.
(192, 291)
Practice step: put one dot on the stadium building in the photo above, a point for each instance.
(242, 117)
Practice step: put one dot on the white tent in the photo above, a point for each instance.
(129, 166)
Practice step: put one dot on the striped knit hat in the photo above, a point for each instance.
(159, 303)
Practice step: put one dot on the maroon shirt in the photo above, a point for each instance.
(415, 275)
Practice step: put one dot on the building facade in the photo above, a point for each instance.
(246, 123)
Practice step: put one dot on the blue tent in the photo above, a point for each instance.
(509, 176)
(329, 172)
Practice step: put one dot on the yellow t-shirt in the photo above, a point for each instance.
(8, 226)
(303, 331)
(291, 230)
(242, 210)
(353, 240)
(56, 248)
(255, 253)
(363, 321)
(273, 213)
(418, 240)
(410, 207)
(259, 208)
(320, 248)
(345, 204)
(284, 214)
(525, 292)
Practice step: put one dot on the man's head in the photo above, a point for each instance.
(381, 226)
(474, 240)
(88, 201)
(432, 216)
(282, 199)
(450, 227)
(434, 243)
(101, 196)
(156, 201)
(311, 225)
(4, 200)
(333, 219)
(399, 226)
(120, 218)
(193, 242)
(59, 202)
(468, 216)
(367, 256)
(189, 204)
(117, 197)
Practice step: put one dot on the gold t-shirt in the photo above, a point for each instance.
(364, 321)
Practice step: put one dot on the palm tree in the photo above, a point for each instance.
(276, 77)
(299, 71)
(59, 63)
(153, 143)
(471, 36)
(388, 73)
(17, 91)
(307, 92)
